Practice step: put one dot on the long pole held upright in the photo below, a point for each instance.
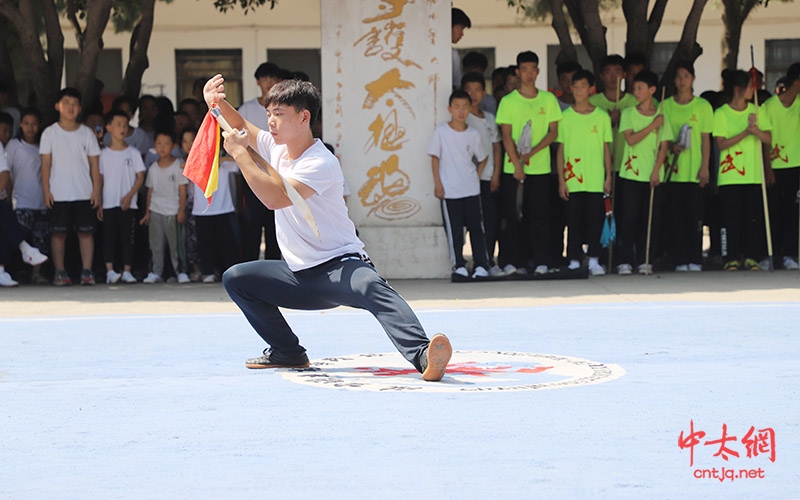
(763, 170)
(613, 183)
(653, 190)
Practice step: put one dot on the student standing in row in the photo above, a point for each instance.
(784, 113)
(527, 109)
(687, 169)
(122, 171)
(584, 172)
(453, 149)
(646, 138)
(71, 184)
(739, 133)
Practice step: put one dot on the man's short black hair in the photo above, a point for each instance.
(168, 133)
(648, 77)
(113, 114)
(583, 74)
(70, 92)
(6, 119)
(793, 73)
(285, 74)
(267, 70)
(298, 94)
(612, 60)
(301, 75)
(458, 94)
(635, 59)
(460, 17)
(567, 67)
(473, 77)
(475, 60)
(527, 57)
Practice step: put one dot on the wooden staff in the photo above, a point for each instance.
(613, 180)
(753, 72)
(653, 191)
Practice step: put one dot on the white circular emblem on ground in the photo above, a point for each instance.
(468, 371)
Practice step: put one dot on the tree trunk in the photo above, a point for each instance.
(98, 13)
(567, 51)
(138, 62)
(642, 31)
(585, 16)
(46, 71)
(6, 68)
(688, 49)
(733, 17)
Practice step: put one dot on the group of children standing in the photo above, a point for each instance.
(71, 177)
(622, 149)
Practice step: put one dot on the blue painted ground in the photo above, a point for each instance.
(162, 407)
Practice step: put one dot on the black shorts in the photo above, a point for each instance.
(78, 215)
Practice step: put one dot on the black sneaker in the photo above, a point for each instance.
(273, 360)
(87, 277)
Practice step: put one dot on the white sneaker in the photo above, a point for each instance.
(480, 272)
(574, 264)
(683, 268)
(790, 264)
(152, 278)
(624, 269)
(496, 272)
(645, 269)
(33, 257)
(461, 271)
(510, 269)
(540, 269)
(764, 264)
(597, 270)
(210, 278)
(127, 277)
(6, 280)
(112, 277)
(183, 278)
(695, 268)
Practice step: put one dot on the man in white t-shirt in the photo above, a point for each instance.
(319, 272)
(256, 218)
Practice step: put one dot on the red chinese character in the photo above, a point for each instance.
(775, 154)
(690, 441)
(724, 451)
(629, 165)
(764, 442)
(727, 164)
(569, 172)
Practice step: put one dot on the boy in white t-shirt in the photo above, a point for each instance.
(484, 122)
(318, 272)
(166, 206)
(71, 184)
(122, 169)
(11, 236)
(456, 182)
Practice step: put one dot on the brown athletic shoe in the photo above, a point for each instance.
(270, 360)
(439, 353)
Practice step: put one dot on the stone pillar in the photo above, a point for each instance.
(386, 71)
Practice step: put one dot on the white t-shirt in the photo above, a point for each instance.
(456, 151)
(318, 169)
(119, 169)
(222, 199)
(26, 174)
(166, 182)
(490, 133)
(70, 174)
(255, 113)
(138, 139)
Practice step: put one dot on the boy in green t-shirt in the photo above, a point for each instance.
(646, 137)
(528, 119)
(584, 172)
(739, 133)
(784, 114)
